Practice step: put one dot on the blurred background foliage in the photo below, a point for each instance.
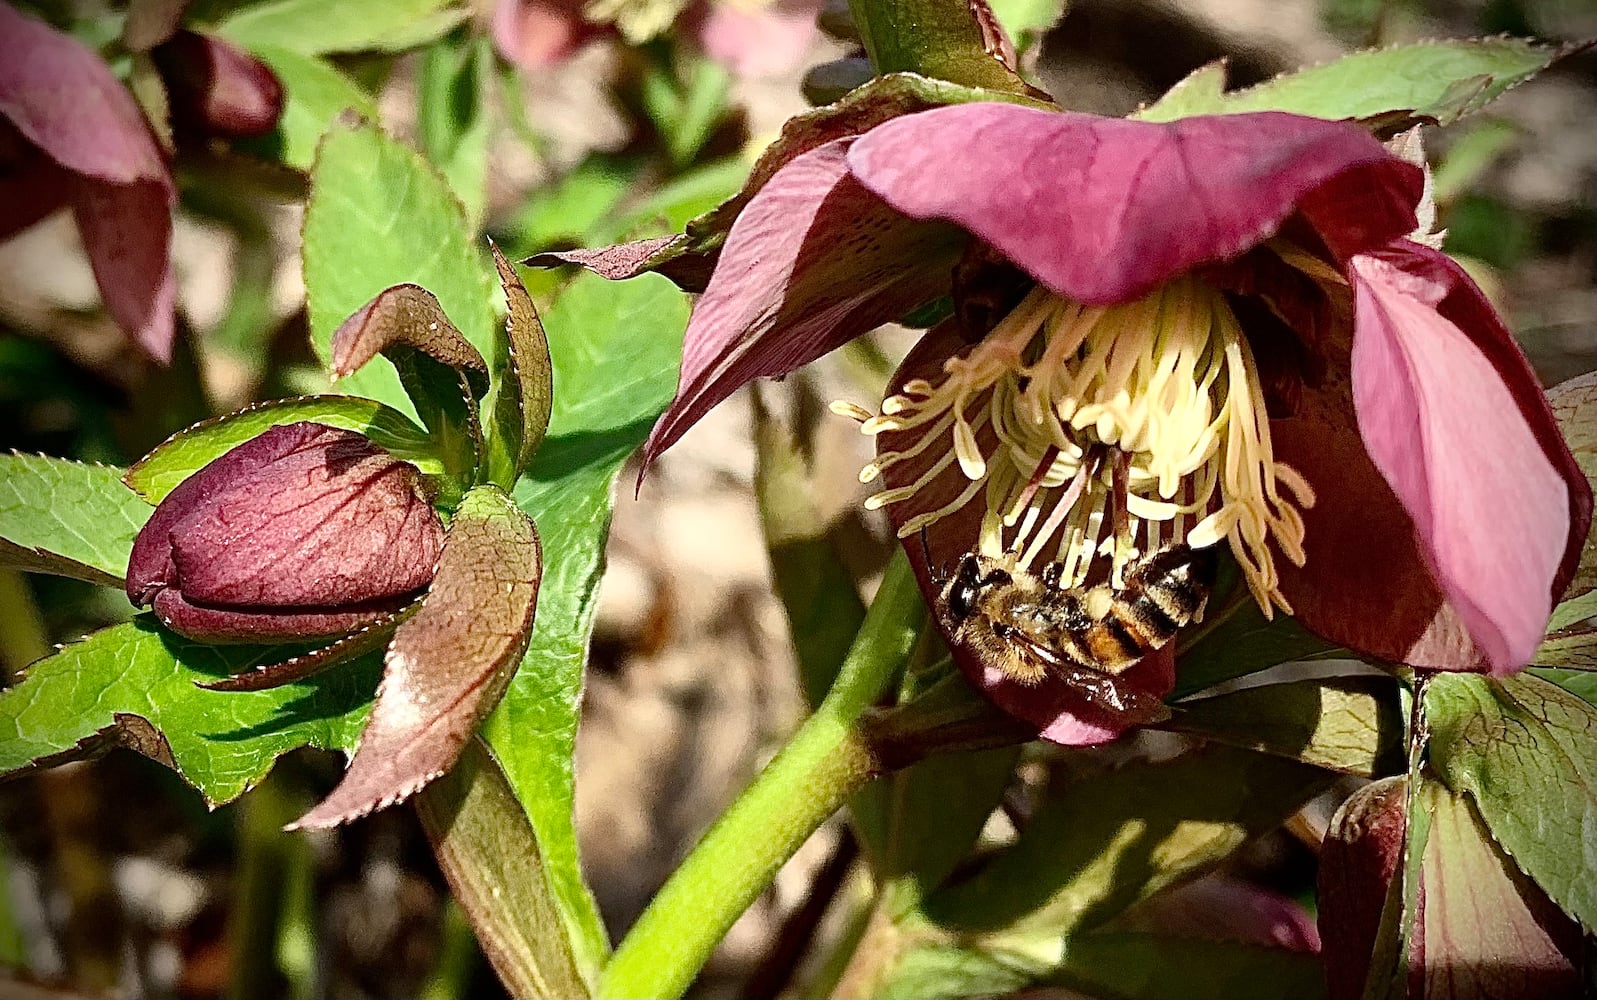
(558, 130)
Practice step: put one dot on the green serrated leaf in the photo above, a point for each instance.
(67, 518)
(448, 664)
(1526, 752)
(1350, 724)
(1484, 929)
(453, 118)
(134, 684)
(186, 452)
(1440, 80)
(379, 215)
(615, 349)
(1101, 844)
(314, 27)
(1580, 683)
(315, 94)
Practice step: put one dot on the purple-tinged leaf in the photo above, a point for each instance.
(1481, 927)
(368, 637)
(127, 233)
(1102, 210)
(447, 666)
(442, 372)
(526, 386)
(813, 261)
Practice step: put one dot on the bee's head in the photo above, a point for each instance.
(963, 592)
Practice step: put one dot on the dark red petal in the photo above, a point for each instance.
(224, 625)
(1102, 210)
(1480, 480)
(31, 184)
(813, 261)
(64, 98)
(323, 518)
(127, 233)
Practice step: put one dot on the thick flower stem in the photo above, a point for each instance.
(825, 762)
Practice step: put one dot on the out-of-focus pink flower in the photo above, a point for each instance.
(533, 34)
(303, 532)
(749, 39)
(100, 158)
(1227, 338)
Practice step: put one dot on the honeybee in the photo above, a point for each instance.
(1029, 627)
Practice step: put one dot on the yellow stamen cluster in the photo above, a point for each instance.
(1101, 433)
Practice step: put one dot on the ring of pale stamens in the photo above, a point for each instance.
(1161, 394)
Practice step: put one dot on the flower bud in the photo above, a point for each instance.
(216, 88)
(303, 532)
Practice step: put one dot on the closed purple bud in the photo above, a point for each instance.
(217, 89)
(303, 532)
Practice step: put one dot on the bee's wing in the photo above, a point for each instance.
(1106, 691)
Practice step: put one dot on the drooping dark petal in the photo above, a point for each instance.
(1056, 706)
(1454, 419)
(216, 88)
(1102, 210)
(323, 519)
(813, 261)
(127, 234)
(64, 98)
(447, 666)
(220, 625)
(1225, 908)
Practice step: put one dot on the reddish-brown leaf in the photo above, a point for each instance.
(526, 396)
(447, 666)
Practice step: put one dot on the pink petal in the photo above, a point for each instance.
(1102, 210)
(813, 261)
(127, 233)
(1491, 509)
(63, 97)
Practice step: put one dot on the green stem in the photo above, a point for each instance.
(826, 761)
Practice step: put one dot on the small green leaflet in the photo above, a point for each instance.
(133, 684)
(314, 27)
(67, 518)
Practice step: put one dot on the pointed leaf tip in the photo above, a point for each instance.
(526, 394)
(446, 667)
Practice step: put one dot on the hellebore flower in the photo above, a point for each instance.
(217, 89)
(1214, 331)
(306, 531)
(73, 135)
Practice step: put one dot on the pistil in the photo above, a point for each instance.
(1096, 434)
